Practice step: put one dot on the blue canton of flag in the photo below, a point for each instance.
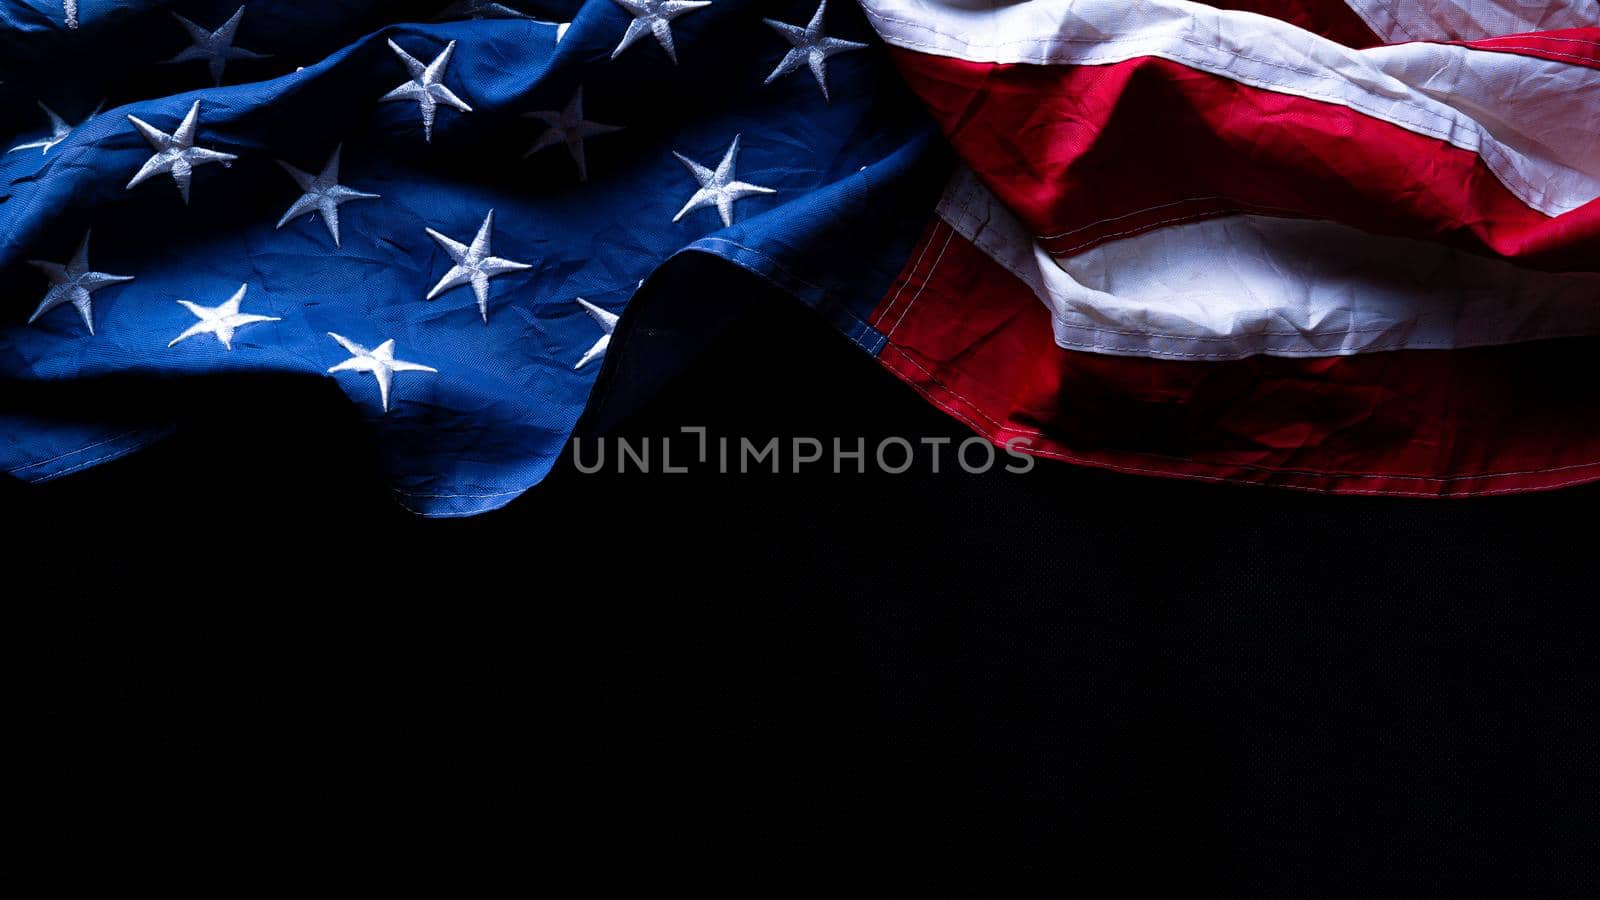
(442, 208)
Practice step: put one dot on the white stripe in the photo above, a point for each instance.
(1532, 121)
(1471, 20)
(1247, 285)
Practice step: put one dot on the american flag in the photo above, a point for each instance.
(1332, 245)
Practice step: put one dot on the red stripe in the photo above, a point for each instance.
(1579, 46)
(1333, 19)
(1084, 154)
(922, 262)
(976, 342)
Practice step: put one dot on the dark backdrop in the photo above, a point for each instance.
(1065, 683)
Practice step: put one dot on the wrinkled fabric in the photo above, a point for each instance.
(1468, 20)
(1218, 241)
(853, 181)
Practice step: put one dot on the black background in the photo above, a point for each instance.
(1065, 683)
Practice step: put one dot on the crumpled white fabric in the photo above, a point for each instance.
(1470, 20)
(1240, 286)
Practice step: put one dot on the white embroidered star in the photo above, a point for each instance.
(70, 7)
(607, 322)
(380, 362)
(569, 127)
(473, 265)
(176, 153)
(59, 130)
(73, 283)
(809, 47)
(427, 86)
(718, 188)
(323, 193)
(221, 321)
(654, 17)
(215, 47)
